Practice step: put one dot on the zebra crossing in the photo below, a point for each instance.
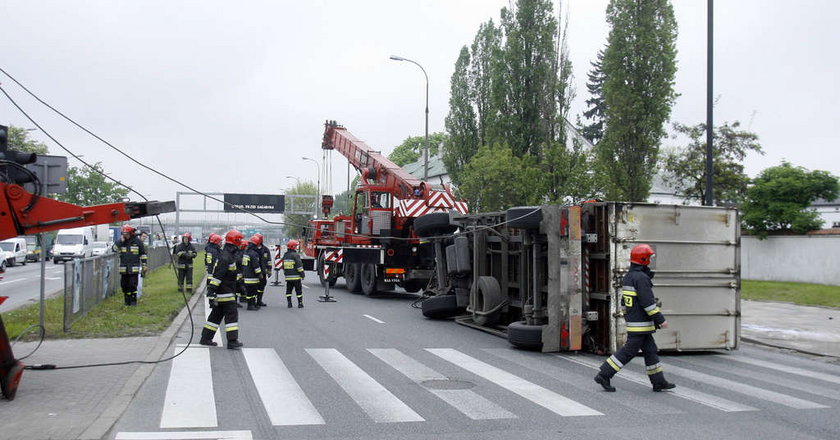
(559, 383)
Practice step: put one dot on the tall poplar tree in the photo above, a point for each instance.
(639, 68)
(463, 141)
(596, 108)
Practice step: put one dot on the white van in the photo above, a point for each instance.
(73, 243)
(14, 251)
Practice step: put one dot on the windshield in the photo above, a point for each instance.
(98, 244)
(68, 239)
(6, 246)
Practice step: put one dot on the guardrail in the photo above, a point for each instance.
(89, 281)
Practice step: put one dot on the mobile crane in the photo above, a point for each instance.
(377, 246)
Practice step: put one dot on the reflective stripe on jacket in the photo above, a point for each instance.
(292, 266)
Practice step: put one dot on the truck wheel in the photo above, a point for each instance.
(12, 262)
(351, 276)
(55, 260)
(436, 223)
(488, 297)
(522, 335)
(332, 278)
(368, 279)
(524, 217)
(440, 307)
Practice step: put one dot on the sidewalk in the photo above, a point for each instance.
(85, 403)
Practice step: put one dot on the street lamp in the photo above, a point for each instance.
(293, 177)
(317, 196)
(425, 150)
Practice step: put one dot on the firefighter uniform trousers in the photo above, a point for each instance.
(625, 354)
(225, 309)
(185, 273)
(293, 272)
(128, 283)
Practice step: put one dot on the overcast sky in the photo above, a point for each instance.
(228, 96)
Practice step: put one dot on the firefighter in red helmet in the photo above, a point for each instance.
(185, 254)
(133, 261)
(252, 268)
(643, 317)
(212, 251)
(221, 292)
(265, 260)
(293, 272)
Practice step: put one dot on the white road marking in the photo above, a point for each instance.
(680, 391)
(468, 402)
(217, 337)
(738, 387)
(282, 397)
(191, 435)
(786, 369)
(13, 281)
(52, 278)
(541, 396)
(373, 398)
(190, 402)
(374, 319)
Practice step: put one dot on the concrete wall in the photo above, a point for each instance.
(799, 258)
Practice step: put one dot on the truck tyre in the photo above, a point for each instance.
(12, 262)
(527, 337)
(488, 297)
(440, 307)
(332, 277)
(436, 223)
(367, 277)
(524, 217)
(351, 276)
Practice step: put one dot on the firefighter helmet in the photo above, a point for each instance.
(292, 245)
(188, 236)
(641, 254)
(215, 238)
(243, 244)
(233, 237)
(127, 229)
(256, 239)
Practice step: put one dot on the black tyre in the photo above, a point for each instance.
(440, 307)
(436, 223)
(332, 278)
(12, 262)
(55, 260)
(524, 217)
(522, 335)
(367, 277)
(488, 297)
(351, 276)
(413, 286)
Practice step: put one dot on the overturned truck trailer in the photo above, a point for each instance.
(549, 277)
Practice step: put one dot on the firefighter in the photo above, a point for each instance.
(133, 261)
(252, 269)
(185, 254)
(221, 293)
(293, 272)
(265, 259)
(211, 251)
(240, 286)
(643, 317)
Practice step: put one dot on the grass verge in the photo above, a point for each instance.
(803, 294)
(155, 310)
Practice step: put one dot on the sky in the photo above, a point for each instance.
(229, 96)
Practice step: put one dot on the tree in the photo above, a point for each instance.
(19, 140)
(295, 224)
(686, 167)
(779, 197)
(596, 111)
(496, 179)
(639, 68)
(411, 149)
(87, 187)
(483, 69)
(463, 140)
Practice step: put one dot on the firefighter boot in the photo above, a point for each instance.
(234, 344)
(260, 301)
(252, 305)
(662, 386)
(208, 342)
(289, 301)
(605, 383)
(300, 303)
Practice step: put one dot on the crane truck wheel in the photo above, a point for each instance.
(524, 217)
(522, 335)
(351, 276)
(367, 278)
(440, 307)
(488, 302)
(436, 223)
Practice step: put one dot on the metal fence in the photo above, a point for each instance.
(87, 282)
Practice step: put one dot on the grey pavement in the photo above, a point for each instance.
(85, 403)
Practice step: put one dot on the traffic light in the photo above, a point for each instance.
(13, 174)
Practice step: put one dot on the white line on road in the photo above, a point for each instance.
(784, 368)
(282, 397)
(13, 281)
(681, 391)
(468, 402)
(541, 396)
(374, 319)
(191, 435)
(190, 402)
(53, 278)
(373, 398)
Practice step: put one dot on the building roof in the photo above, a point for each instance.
(436, 167)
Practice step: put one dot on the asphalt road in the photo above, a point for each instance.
(375, 368)
(22, 283)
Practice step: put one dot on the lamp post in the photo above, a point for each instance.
(293, 177)
(318, 195)
(426, 149)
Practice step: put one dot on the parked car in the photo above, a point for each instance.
(14, 251)
(101, 248)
